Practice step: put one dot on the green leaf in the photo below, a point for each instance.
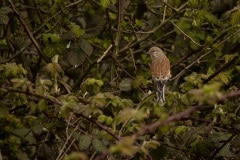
(112, 16)
(106, 3)
(5, 10)
(84, 142)
(139, 81)
(98, 145)
(53, 68)
(22, 132)
(76, 156)
(51, 37)
(4, 19)
(235, 17)
(138, 23)
(131, 113)
(181, 130)
(79, 51)
(91, 85)
(125, 84)
(37, 129)
(42, 105)
(76, 29)
(85, 46)
(102, 118)
(125, 146)
(152, 144)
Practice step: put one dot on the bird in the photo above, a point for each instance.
(160, 70)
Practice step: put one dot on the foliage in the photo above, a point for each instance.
(75, 81)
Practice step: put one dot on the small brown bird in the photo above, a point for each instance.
(160, 68)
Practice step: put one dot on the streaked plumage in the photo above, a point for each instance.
(160, 69)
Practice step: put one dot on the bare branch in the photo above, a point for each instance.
(197, 59)
(98, 125)
(30, 34)
(182, 115)
(226, 65)
(185, 34)
(104, 53)
(48, 98)
(136, 42)
(221, 147)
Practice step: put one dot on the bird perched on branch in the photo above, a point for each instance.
(160, 69)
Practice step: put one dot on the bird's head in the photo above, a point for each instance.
(155, 52)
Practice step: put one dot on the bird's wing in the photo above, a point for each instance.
(160, 68)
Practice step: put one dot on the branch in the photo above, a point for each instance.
(119, 30)
(120, 66)
(104, 53)
(185, 34)
(59, 103)
(97, 124)
(197, 59)
(226, 65)
(183, 58)
(136, 42)
(80, 79)
(50, 99)
(55, 15)
(182, 115)
(30, 35)
(221, 147)
(174, 118)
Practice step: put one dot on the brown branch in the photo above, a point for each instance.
(59, 103)
(226, 65)
(27, 92)
(55, 15)
(136, 42)
(177, 117)
(185, 34)
(182, 115)
(120, 66)
(197, 59)
(183, 58)
(30, 34)
(221, 147)
(99, 125)
(119, 30)
(81, 78)
(104, 53)
(228, 96)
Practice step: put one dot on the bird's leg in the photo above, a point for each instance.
(160, 92)
(163, 93)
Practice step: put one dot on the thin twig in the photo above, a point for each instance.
(133, 59)
(169, 6)
(61, 153)
(201, 56)
(165, 9)
(120, 66)
(182, 115)
(185, 34)
(98, 125)
(30, 34)
(104, 53)
(226, 65)
(136, 42)
(48, 98)
(120, 18)
(221, 147)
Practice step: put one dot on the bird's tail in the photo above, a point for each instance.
(161, 91)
